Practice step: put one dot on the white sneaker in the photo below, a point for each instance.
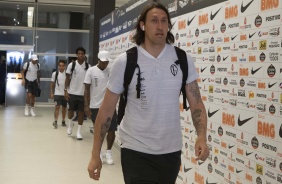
(32, 112)
(78, 136)
(26, 111)
(109, 157)
(69, 130)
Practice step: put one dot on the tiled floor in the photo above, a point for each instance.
(33, 152)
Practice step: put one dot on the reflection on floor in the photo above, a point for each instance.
(33, 152)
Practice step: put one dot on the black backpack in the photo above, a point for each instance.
(28, 67)
(131, 65)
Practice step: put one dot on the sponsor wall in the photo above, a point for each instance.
(237, 50)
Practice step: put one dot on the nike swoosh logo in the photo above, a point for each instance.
(208, 182)
(190, 21)
(203, 69)
(271, 85)
(213, 15)
(244, 8)
(255, 71)
(200, 163)
(210, 114)
(251, 35)
(280, 131)
(247, 154)
(230, 146)
(237, 171)
(187, 169)
(193, 42)
(204, 79)
(191, 131)
(224, 58)
(232, 38)
(242, 122)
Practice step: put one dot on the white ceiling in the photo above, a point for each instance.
(70, 2)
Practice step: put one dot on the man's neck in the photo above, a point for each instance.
(80, 61)
(62, 71)
(154, 50)
(100, 67)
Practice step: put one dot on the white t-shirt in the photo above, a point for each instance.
(98, 80)
(31, 74)
(151, 124)
(59, 89)
(76, 86)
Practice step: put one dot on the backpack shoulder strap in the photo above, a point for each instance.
(183, 62)
(86, 65)
(56, 78)
(131, 64)
(27, 66)
(73, 66)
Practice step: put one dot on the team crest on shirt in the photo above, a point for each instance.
(173, 69)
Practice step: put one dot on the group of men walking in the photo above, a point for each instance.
(78, 86)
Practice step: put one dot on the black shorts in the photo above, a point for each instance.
(113, 126)
(60, 101)
(31, 87)
(142, 168)
(76, 103)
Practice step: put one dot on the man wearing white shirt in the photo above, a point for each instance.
(31, 81)
(150, 131)
(74, 90)
(95, 81)
(57, 87)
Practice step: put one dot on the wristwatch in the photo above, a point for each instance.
(65, 89)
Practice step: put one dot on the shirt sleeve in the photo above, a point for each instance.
(116, 79)
(68, 71)
(87, 79)
(53, 77)
(192, 72)
(25, 65)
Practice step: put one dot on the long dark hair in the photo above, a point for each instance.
(139, 35)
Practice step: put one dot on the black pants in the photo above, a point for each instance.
(142, 168)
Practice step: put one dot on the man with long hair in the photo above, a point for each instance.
(150, 131)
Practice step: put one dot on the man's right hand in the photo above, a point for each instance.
(23, 82)
(94, 168)
(87, 111)
(67, 95)
(52, 96)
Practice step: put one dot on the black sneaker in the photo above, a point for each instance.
(64, 123)
(55, 124)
